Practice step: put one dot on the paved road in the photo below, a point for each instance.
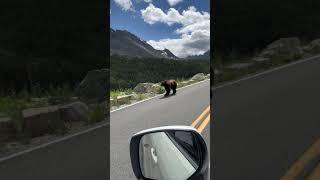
(181, 109)
(82, 157)
(264, 124)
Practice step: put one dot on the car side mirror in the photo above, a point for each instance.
(170, 152)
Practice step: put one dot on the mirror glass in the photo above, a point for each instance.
(169, 155)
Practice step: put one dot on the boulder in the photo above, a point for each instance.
(239, 65)
(112, 102)
(124, 99)
(40, 101)
(216, 72)
(135, 97)
(198, 77)
(6, 124)
(39, 121)
(95, 85)
(260, 59)
(313, 47)
(75, 111)
(147, 88)
(288, 48)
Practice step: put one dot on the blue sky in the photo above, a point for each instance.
(182, 26)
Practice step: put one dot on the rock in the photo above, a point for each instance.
(147, 88)
(113, 108)
(55, 100)
(239, 65)
(76, 111)
(216, 71)
(288, 48)
(74, 98)
(95, 85)
(125, 99)
(39, 99)
(208, 76)
(260, 59)
(39, 121)
(6, 124)
(191, 81)
(198, 77)
(112, 102)
(313, 47)
(3, 114)
(134, 97)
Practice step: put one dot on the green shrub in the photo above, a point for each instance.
(97, 113)
(161, 90)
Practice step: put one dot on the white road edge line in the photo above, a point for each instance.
(105, 124)
(267, 72)
(156, 96)
(52, 142)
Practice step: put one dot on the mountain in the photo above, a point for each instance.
(205, 56)
(125, 43)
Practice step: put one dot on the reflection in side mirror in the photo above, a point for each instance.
(170, 153)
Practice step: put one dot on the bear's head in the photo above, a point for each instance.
(163, 83)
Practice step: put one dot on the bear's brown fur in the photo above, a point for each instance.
(168, 85)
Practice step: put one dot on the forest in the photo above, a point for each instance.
(128, 72)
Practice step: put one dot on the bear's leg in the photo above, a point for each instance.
(174, 91)
(174, 87)
(167, 91)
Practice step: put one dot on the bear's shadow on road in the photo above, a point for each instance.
(165, 97)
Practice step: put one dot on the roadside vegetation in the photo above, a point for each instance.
(145, 90)
(12, 122)
(225, 73)
(278, 53)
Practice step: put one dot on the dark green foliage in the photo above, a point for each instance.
(127, 73)
(249, 25)
(34, 75)
(53, 41)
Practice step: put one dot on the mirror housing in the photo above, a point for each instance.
(200, 173)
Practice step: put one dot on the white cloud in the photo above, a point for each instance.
(148, 1)
(124, 4)
(174, 2)
(194, 32)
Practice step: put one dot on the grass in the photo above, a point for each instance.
(12, 105)
(97, 113)
(120, 92)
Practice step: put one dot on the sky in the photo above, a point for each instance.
(182, 26)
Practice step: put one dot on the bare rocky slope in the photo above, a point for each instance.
(125, 43)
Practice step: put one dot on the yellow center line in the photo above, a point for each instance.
(204, 124)
(303, 161)
(200, 117)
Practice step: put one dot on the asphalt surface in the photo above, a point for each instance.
(264, 124)
(181, 109)
(81, 157)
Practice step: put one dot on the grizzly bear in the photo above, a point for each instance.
(168, 85)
